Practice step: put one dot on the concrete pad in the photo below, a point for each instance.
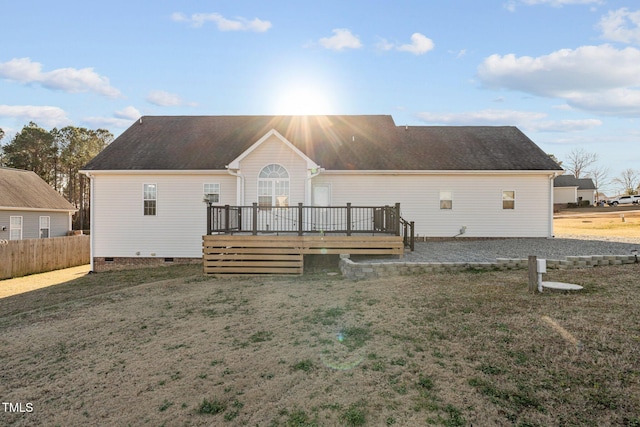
(561, 286)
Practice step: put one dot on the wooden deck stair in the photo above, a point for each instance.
(283, 254)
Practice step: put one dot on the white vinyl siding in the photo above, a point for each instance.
(478, 201)
(274, 151)
(122, 231)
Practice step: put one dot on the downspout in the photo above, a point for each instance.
(91, 220)
(307, 196)
(551, 178)
(240, 190)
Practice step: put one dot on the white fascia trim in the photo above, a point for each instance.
(14, 208)
(440, 172)
(235, 163)
(155, 172)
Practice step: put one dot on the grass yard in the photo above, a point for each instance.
(169, 347)
(599, 222)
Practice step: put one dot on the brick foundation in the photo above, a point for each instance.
(124, 263)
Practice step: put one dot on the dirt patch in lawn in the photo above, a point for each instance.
(439, 349)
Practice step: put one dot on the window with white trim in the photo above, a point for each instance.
(15, 228)
(446, 200)
(509, 199)
(150, 199)
(212, 192)
(273, 186)
(45, 226)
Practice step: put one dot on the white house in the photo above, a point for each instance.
(568, 189)
(147, 186)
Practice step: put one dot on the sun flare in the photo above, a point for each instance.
(304, 100)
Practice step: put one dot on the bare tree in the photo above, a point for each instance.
(579, 160)
(600, 177)
(629, 181)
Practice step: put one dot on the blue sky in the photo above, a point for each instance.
(566, 72)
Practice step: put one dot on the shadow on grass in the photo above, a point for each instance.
(90, 285)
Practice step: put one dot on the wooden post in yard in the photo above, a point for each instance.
(533, 273)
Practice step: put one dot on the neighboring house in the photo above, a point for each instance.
(147, 186)
(568, 189)
(30, 208)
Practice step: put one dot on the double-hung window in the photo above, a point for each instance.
(509, 199)
(446, 200)
(212, 193)
(15, 228)
(150, 199)
(45, 226)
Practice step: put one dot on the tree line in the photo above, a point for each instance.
(56, 156)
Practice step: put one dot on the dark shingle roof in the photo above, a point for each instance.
(571, 181)
(334, 142)
(25, 189)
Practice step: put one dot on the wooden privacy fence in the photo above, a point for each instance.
(29, 256)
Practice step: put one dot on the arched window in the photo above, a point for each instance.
(273, 186)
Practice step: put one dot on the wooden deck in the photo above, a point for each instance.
(283, 254)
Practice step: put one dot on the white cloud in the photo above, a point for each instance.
(72, 80)
(108, 122)
(482, 117)
(128, 113)
(420, 44)
(197, 20)
(511, 5)
(166, 99)
(385, 45)
(341, 39)
(560, 3)
(121, 119)
(563, 125)
(527, 120)
(621, 26)
(44, 115)
(584, 77)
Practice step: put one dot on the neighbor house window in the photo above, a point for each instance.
(273, 186)
(15, 228)
(509, 199)
(150, 199)
(446, 200)
(45, 225)
(212, 193)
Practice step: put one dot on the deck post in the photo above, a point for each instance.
(348, 219)
(412, 241)
(226, 218)
(254, 219)
(396, 220)
(300, 224)
(209, 213)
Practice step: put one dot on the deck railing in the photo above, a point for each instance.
(302, 220)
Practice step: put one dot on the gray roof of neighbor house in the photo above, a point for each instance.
(340, 142)
(571, 181)
(21, 189)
